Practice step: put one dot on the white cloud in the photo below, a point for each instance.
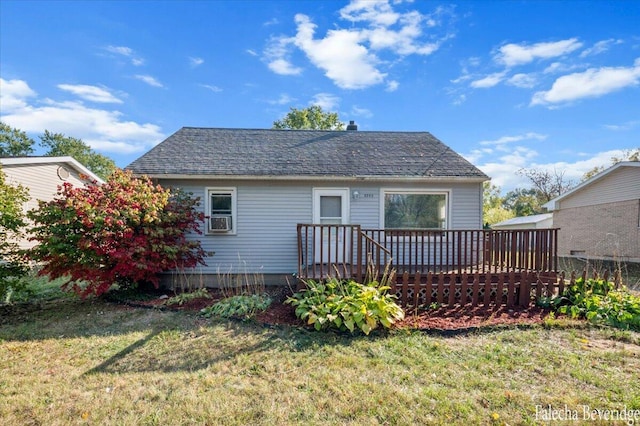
(273, 21)
(392, 86)
(460, 99)
(120, 50)
(505, 158)
(151, 81)
(517, 138)
(594, 82)
(277, 56)
(326, 101)
(251, 52)
(361, 112)
(284, 99)
(345, 61)
(559, 67)
(349, 57)
(14, 94)
(525, 81)
(378, 13)
(503, 169)
(126, 52)
(518, 54)
(284, 67)
(213, 88)
(104, 130)
(90, 93)
(623, 127)
(599, 47)
(195, 61)
(488, 81)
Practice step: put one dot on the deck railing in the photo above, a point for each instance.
(343, 250)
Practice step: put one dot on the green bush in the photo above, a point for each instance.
(13, 264)
(182, 298)
(346, 305)
(598, 301)
(241, 306)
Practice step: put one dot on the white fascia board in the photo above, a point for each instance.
(45, 160)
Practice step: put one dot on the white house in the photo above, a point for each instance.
(42, 176)
(256, 185)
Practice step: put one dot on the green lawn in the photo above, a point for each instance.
(91, 362)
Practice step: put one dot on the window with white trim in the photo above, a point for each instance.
(415, 209)
(221, 211)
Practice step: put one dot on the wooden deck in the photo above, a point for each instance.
(448, 266)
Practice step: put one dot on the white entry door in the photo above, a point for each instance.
(331, 207)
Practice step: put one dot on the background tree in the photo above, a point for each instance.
(627, 155)
(61, 145)
(523, 202)
(125, 231)
(311, 118)
(14, 142)
(547, 185)
(12, 264)
(493, 210)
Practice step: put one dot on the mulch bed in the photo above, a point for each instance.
(443, 319)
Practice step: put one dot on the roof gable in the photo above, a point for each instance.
(303, 153)
(592, 182)
(66, 160)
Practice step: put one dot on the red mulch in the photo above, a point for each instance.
(470, 317)
(447, 319)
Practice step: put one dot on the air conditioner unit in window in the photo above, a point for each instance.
(220, 223)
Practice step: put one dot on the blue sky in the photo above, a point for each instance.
(511, 84)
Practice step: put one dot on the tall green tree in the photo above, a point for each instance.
(14, 142)
(311, 118)
(524, 202)
(12, 264)
(493, 209)
(61, 145)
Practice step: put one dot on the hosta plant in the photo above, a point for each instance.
(346, 305)
(598, 301)
(240, 306)
(187, 296)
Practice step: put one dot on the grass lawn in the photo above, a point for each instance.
(92, 362)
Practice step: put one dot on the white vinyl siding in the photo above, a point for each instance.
(42, 181)
(268, 212)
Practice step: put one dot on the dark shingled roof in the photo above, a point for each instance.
(303, 153)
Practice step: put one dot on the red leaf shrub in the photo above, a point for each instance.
(124, 231)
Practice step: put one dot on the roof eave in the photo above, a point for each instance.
(366, 178)
(81, 169)
(553, 204)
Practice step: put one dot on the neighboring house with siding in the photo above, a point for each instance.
(536, 221)
(42, 176)
(256, 185)
(600, 218)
